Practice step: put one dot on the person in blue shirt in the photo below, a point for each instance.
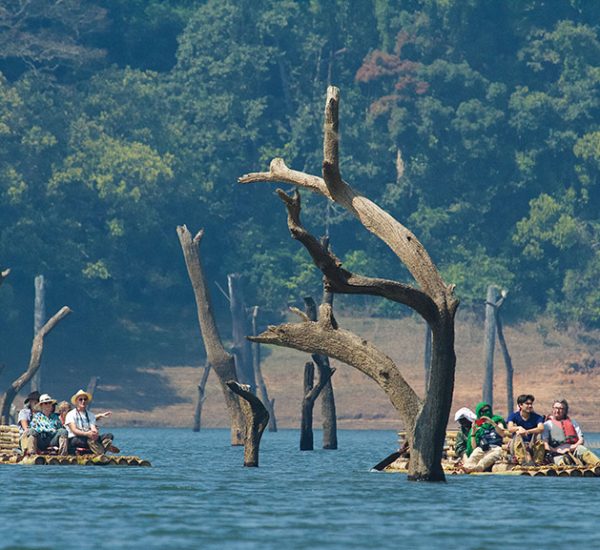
(526, 427)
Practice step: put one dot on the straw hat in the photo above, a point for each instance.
(79, 394)
(45, 398)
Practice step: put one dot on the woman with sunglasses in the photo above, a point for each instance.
(82, 429)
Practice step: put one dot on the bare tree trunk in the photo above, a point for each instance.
(425, 422)
(93, 384)
(262, 387)
(39, 316)
(427, 355)
(311, 392)
(257, 418)
(34, 364)
(201, 399)
(490, 343)
(506, 356)
(222, 362)
(239, 323)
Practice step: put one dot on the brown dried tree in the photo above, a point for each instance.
(221, 361)
(34, 364)
(425, 419)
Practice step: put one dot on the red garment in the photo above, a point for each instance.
(568, 429)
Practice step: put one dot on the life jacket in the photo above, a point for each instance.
(563, 431)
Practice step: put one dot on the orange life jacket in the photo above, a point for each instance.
(568, 429)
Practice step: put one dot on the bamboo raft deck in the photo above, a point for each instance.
(9, 454)
(505, 468)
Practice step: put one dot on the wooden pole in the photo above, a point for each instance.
(506, 356)
(201, 398)
(262, 387)
(92, 385)
(39, 317)
(490, 343)
(306, 428)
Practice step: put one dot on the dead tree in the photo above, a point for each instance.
(326, 393)
(490, 344)
(34, 364)
(262, 387)
(39, 315)
(505, 355)
(425, 420)
(257, 418)
(93, 384)
(222, 362)
(427, 355)
(201, 399)
(328, 412)
(239, 324)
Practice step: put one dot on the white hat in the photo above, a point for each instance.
(465, 412)
(45, 398)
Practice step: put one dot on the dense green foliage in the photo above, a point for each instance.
(475, 123)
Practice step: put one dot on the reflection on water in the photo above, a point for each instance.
(198, 495)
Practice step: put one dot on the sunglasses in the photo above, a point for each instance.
(84, 399)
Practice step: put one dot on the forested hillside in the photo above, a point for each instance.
(475, 123)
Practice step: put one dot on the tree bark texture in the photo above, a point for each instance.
(262, 386)
(201, 398)
(222, 362)
(427, 355)
(256, 417)
(34, 364)
(490, 343)
(39, 316)
(425, 421)
(239, 324)
(311, 392)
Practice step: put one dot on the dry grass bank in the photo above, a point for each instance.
(539, 355)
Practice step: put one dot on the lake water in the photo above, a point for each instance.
(198, 495)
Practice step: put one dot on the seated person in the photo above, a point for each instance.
(27, 440)
(81, 425)
(62, 409)
(526, 427)
(465, 418)
(563, 436)
(48, 427)
(484, 444)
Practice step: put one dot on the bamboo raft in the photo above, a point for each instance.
(400, 465)
(10, 454)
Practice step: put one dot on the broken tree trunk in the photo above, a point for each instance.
(239, 327)
(201, 399)
(92, 385)
(34, 364)
(505, 355)
(327, 399)
(262, 387)
(39, 316)
(311, 392)
(490, 343)
(257, 418)
(222, 362)
(424, 421)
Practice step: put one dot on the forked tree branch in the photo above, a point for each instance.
(342, 281)
(324, 338)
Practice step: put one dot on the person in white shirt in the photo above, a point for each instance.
(82, 429)
(27, 437)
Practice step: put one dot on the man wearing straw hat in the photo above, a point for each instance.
(81, 425)
(48, 427)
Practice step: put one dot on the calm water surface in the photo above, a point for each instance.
(198, 495)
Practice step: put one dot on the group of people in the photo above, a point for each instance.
(532, 439)
(45, 426)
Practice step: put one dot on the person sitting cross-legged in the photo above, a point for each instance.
(81, 425)
(484, 444)
(563, 437)
(48, 427)
(526, 427)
